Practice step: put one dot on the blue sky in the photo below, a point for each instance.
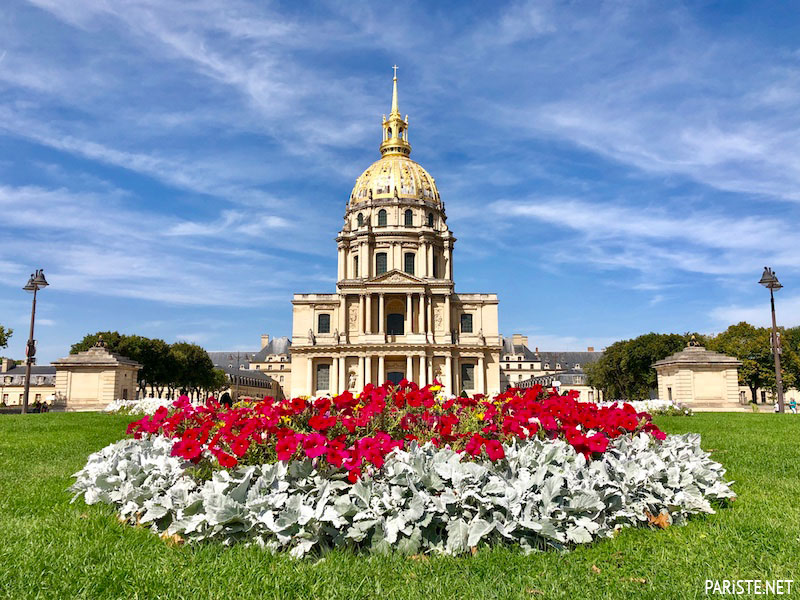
(180, 169)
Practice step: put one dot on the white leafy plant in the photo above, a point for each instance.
(424, 499)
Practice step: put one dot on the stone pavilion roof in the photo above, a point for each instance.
(696, 355)
(96, 356)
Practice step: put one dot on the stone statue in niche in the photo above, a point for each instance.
(439, 375)
(311, 339)
(481, 337)
(351, 382)
(336, 335)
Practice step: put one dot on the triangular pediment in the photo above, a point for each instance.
(395, 276)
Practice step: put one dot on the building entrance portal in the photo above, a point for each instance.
(394, 376)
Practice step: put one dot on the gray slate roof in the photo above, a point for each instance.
(567, 360)
(222, 358)
(279, 345)
(17, 375)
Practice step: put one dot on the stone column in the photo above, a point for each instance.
(368, 370)
(360, 373)
(342, 374)
(341, 264)
(431, 250)
(409, 368)
(361, 323)
(421, 324)
(450, 263)
(430, 370)
(310, 376)
(381, 313)
(381, 370)
(333, 383)
(429, 329)
(423, 371)
(362, 261)
(479, 377)
(343, 314)
(448, 375)
(409, 321)
(368, 316)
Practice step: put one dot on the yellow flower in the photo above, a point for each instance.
(435, 388)
(480, 416)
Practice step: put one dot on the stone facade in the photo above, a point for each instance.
(12, 384)
(395, 313)
(699, 378)
(92, 379)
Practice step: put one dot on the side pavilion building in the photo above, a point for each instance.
(395, 313)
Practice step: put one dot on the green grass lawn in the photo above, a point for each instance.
(50, 548)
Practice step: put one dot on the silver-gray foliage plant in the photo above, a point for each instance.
(424, 499)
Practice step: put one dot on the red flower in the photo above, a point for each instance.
(286, 447)
(597, 443)
(321, 423)
(314, 445)
(226, 460)
(474, 445)
(494, 450)
(239, 446)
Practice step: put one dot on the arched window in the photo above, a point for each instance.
(360, 220)
(408, 263)
(430, 219)
(324, 323)
(388, 132)
(409, 218)
(380, 263)
(381, 218)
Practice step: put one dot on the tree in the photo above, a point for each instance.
(751, 345)
(5, 335)
(219, 381)
(153, 355)
(193, 368)
(626, 368)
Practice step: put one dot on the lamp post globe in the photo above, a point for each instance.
(36, 282)
(770, 281)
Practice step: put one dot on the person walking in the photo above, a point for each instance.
(793, 406)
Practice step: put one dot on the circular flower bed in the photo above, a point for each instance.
(402, 468)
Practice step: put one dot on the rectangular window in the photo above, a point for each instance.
(591, 396)
(355, 266)
(409, 263)
(324, 323)
(435, 273)
(323, 377)
(467, 377)
(380, 263)
(669, 394)
(466, 323)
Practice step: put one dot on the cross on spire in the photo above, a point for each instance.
(395, 71)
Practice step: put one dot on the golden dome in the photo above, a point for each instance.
(394, 175)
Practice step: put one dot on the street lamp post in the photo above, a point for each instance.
(770, 280)
(35, 283)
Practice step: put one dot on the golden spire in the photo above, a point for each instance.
(395, 128)
(395, 110)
